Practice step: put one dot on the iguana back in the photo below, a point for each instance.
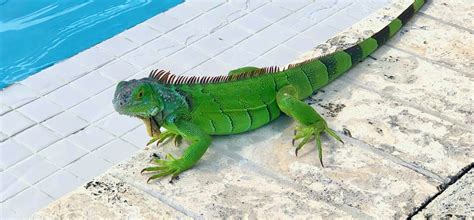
(245, 101)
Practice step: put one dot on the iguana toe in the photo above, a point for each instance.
(169, 166)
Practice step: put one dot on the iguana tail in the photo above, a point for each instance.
(321, 71)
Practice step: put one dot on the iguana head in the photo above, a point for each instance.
(137, 98)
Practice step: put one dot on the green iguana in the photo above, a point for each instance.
(194, 108)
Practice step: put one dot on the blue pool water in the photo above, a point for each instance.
(35, 34)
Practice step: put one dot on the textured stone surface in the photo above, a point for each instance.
(441, 43)
(438, 90)
(106, 197)
(453, 12)
(223, 186)
(457, 201)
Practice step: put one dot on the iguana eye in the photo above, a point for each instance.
(140, 94)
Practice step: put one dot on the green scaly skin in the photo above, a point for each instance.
(195, 111)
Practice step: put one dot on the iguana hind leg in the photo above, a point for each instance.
(311, 123)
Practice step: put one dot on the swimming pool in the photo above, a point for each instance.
(37, 34)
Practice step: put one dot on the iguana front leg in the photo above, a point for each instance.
(199, 144)
(153, 130)
(311, 123)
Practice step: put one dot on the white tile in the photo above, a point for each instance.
(65, 123)
(14, 122)
(153, 52)
(261, 62)
(28, 202)
(8, 214)
(204, 5)
(184, 12)
(236, 57)
(207, 23)
(3, 136)
(11, 153)
(187, 58)
(211, 67)
(142, 57)
(317, 12)
(232, 34)
(277, 34)
(296, 22)
(257, 45)
(36, 138)
(164, 46)
(96, 107)
(92, 83)
(116, 151)
(164, 64)
(212, 45)
(93, 58)
(62, 153)
(228, 12)
(253, 22)
(10, 185)
(186, 34)
(66, 96)
(45, 81)
(362, 8)
(89, 167)
(341, 21)
(90, 138)
(138, 137)
(40, 109)
(281, 55)
(302, 43)
(17, 95)
(272, 12)
(248, 5)
(33, 169)
(292, 5)
(140, 34)
(4, 109)
(118, 45)
(118, 70)
(59, 184)
(119, 124)
(320, 33)
(164, 23)
(70, 69)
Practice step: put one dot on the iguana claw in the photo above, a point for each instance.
(169, 166)
(306, 132)
(167, 135)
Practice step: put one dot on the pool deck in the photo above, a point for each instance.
(405, 115)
